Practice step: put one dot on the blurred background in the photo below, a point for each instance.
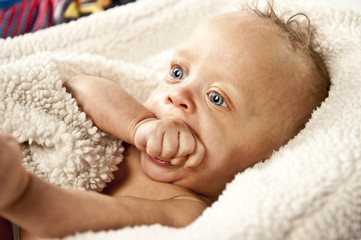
(22, 16)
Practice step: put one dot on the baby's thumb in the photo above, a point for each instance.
(178, 161)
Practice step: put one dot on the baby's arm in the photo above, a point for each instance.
(110, 107)
(49, 211)
(13, 177)
(114, 111)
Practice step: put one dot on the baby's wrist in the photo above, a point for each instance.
(140, 125)
(17, 191)
(23, 186)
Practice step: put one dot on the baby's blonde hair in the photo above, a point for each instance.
(302, 37)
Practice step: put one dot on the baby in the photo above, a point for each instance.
(238, 89)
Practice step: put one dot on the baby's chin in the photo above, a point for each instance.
(160, 171)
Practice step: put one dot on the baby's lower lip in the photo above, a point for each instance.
(160, 163)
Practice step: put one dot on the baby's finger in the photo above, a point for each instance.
(154, 144)
(9, 141)
(13, 142)
(178, 161)
(187, 144)
(195, 158)
(170, 144)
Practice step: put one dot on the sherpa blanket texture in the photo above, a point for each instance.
(309, 189)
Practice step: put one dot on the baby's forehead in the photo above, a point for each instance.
(241, 29)
(243, 21)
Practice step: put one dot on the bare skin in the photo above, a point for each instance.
(132, 192)
(221, 108)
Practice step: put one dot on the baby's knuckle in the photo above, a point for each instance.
(153, 151)
(166, 155)
(188, 149)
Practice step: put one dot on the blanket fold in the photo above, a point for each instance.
(59, 143)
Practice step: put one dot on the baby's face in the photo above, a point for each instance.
(230, 82)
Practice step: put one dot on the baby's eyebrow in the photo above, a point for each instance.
(184, 53)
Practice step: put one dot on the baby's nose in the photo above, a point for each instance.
(182, 98)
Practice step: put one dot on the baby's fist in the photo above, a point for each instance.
(170, 140)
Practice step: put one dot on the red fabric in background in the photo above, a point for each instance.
(26, 16)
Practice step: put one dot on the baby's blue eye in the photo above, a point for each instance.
(217, 99)
(177, 73)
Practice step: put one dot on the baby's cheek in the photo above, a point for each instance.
(154, 99)
(147, 102)
(150, 104)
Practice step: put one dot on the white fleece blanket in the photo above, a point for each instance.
(309, 189)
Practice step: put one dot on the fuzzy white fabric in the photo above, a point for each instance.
(59, 143)
(309, 189)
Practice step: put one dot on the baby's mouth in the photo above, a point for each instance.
(161, 163)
